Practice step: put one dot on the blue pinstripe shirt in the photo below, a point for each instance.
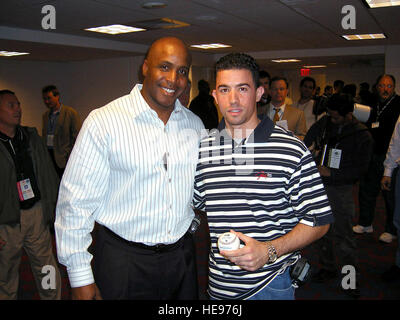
(131, 173)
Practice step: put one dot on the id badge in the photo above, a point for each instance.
(25, 191)
(50, 140)
(334, 158)
(375, 125)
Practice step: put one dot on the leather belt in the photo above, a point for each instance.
(155, 248)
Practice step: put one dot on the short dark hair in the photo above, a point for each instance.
(341, 102)
(386, 75)
(203, 85)
(309, 79)
(338, 83)
(350, 89)
(278, 78)
(4, 92)
(264, 74)
(51, 88)
(239, 61)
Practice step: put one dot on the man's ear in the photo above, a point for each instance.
(145, 68)
(214, 94)
(259, 93)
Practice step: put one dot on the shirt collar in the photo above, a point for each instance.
(281, 108)
(261, 133)
(53, 114)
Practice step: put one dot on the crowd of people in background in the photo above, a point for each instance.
(129, 171)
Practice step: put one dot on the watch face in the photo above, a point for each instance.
(272, 256)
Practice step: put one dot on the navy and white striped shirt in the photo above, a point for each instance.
(131, 173)
(262, 187)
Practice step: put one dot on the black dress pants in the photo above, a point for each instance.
(124, 270)
(369, 188)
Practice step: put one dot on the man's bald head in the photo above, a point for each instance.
(167, 43)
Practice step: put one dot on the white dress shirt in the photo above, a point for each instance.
(307, 108)
(272, 110)
(393, 154)
(131, 173)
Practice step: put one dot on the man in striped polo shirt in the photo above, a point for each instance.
(260, 182)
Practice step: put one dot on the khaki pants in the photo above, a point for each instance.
(32, 235)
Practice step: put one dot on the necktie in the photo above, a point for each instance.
(276, 115)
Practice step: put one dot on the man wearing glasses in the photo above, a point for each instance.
(381, 124)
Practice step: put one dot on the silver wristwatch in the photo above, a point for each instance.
(272, 255)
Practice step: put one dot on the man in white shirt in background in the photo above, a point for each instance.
(306, 101)
(132, 172)
(391, 180)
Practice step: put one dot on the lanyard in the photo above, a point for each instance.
(383, 109)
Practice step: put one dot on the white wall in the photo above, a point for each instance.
(27, 79)
(87, 85)
(83, 85)
(392, 63)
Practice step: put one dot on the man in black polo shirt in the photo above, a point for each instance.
(28, 193)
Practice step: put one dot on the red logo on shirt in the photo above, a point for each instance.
(263, 174)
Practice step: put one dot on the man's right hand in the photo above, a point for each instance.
(386, 183)
(89, 292)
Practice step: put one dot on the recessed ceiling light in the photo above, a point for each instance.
(154, 5)
(206, 18)
(211, 46)
(316, 66)
(285, 60)
(364, 36)
(382, 3)
(12, 53)
(115, 29)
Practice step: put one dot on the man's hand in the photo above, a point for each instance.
(324, 171)
(89, 292)
(2, 243)
(385, 183)
(251, 257)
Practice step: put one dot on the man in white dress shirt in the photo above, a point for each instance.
(306, 102)
(132, 172)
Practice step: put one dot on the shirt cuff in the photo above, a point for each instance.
(81, 277)
(387, 172)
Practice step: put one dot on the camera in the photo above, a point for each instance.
(300, 272)
(195, 224)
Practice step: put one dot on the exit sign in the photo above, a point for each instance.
(304, 72)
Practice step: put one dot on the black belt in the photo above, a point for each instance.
(155, 248)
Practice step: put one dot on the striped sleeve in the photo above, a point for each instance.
(308, 197)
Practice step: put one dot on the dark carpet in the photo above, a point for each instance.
(375, 258)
